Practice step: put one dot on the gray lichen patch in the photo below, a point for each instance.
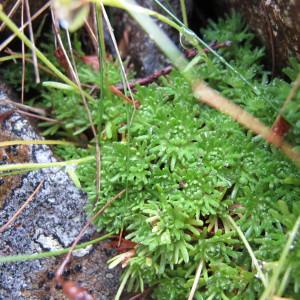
(52, 220)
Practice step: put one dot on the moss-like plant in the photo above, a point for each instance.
(198, 184)
(186, 168)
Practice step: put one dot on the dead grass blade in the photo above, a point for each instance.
(19, 211)
(23, 56)
(13, 35)
(11, 13)
(35, 62)
(196, 281)
(211, 97)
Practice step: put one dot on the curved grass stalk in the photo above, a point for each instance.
(34, 142)
(12, 57)
(126, 86)
(28, 257)
(36, 166)
(159, 36)
(250, 251)
(206, 94)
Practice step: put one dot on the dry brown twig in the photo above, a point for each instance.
(74, 77)
(35, 116)
(211, 97)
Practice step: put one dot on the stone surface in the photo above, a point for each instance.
(275, 22)
(52, 220)
(143, 52)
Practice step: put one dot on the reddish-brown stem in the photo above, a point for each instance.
(281, 126)
(211, 97)
(147, 80)
(166, 70)
(118, 93)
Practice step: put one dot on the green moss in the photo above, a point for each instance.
(186, 167)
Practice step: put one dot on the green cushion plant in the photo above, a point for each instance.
(188, 170)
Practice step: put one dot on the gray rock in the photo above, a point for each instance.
(144, 53)
(52, 220)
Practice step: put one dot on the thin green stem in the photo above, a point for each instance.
(12, 57)
(284, 282)
(271, 288)
(6, 20)
(27, 257)
(196, 41)
(249, 249)
(184, 13)
(35, 166)
(101, 51)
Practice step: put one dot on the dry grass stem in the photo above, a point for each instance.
(60, 270)
(35, 62)
(19, 211)
(211, 97)
(5, 43)
(196, 281)
(11, 13)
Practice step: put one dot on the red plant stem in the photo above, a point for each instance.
(281, 126)
(119, 93)
(166, 70)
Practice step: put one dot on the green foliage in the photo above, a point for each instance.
(186, 167)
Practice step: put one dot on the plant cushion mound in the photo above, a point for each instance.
(186, 168)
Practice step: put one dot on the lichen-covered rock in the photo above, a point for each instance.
(52, 220)
(276, 23)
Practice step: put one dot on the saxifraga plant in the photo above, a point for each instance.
(186, 168)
